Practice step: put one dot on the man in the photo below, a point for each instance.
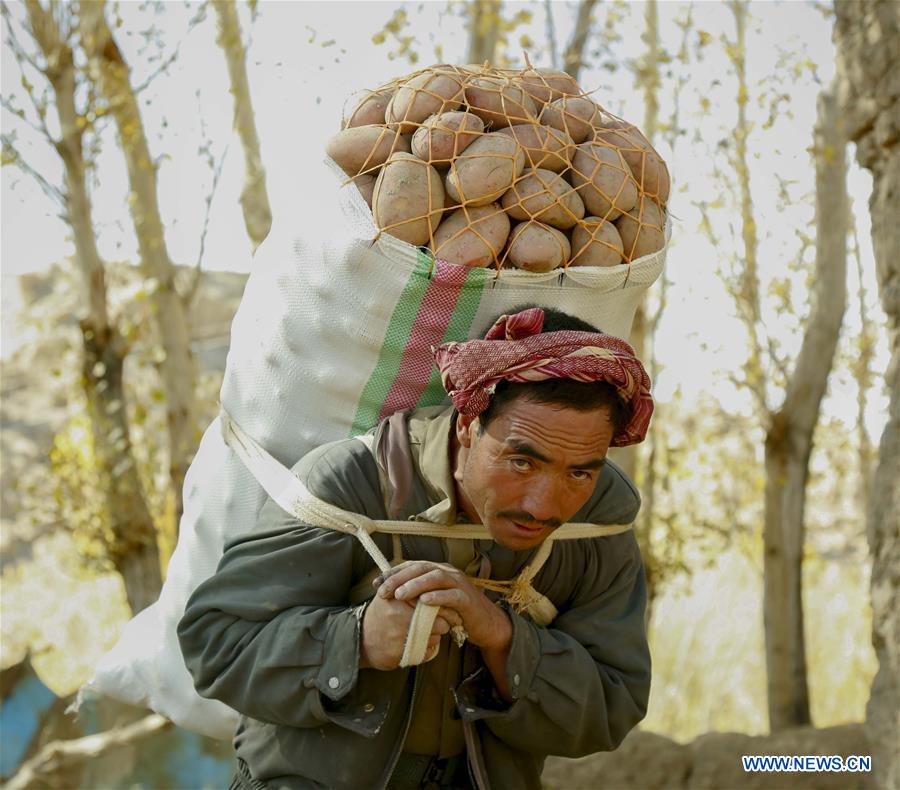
(288, 631)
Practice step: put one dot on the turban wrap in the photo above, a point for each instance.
(515, 350)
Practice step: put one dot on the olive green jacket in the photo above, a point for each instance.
(274, 633)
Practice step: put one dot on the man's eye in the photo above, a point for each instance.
(522, 464)
(582, 475)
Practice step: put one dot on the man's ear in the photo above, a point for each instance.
(466, 425)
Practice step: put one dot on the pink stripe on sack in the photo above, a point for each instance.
(435, 312)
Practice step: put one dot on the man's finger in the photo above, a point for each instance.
(407, 571)
(440, 626)
(450, 598)
(453, 617)
(438, 578)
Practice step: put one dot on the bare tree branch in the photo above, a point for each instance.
(12, 158)
(63, 757)
(196, 278)
(254, 197)
(13, 40)
(551, 34)
(20, 115)
(21, 54)
(573, 57)
(167, 63)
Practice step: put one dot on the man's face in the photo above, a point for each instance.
(531, 470)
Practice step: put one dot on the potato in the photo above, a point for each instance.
(547, 85)
(572, 114)
(537, 248)
(545, 147)
(595, 242)
(646, 165)
(408, 199)
(499, 103)
(472, 236)
(642, 229)
(365, 183)
(370, 109)
(364, 148)
(545, 196)
(485, 170)
(443, 137)
(434, 91)
(606, 120)
(603, 180)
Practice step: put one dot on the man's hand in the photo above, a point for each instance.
(486, 624)
(384, 628)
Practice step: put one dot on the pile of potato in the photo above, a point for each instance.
(497, 167)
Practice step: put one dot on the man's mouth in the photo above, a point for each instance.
(530, 528)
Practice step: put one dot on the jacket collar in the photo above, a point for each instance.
(429, 439)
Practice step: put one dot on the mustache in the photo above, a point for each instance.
(523, 517)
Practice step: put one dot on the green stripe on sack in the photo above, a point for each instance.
(391, 354)
(457, 329)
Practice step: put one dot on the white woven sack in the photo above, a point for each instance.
(333, 329)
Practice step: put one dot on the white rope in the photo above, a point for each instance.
(289, 492)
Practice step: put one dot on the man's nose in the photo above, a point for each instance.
(541, 500)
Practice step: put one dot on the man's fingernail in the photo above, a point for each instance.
(400, 593)
(377, 580)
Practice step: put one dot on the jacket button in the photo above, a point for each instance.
(515, 680)
(368, 707)
(333, 682)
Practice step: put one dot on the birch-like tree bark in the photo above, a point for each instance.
(484, 31)
(789, 427)
(133, 548)
(790, 433)
(636, 459)
(867, 34)
(573, 57)
(254, 197)
(111, 74)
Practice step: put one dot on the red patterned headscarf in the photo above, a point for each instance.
(515, 350)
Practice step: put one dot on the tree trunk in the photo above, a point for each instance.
(133, 548)
(637, 460)
(484, 31)
(573, 57)
(867, 33)
(254, 198)
(177, 369)
(790, 434)
(862, 373)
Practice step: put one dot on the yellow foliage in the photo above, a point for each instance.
(79, 491)
(709, 668)
(80, 499)
(63, 613)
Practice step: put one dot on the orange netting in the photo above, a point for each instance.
(493, 167)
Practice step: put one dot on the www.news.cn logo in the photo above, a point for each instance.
(754, 763)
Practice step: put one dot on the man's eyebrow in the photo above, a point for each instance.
(594, 463)
(523, 448)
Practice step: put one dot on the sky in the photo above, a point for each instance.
(306, 58)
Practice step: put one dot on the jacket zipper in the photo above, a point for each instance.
(399, 748)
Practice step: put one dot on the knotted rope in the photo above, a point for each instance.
(289, 492)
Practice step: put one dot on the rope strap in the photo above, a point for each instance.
(289, 492)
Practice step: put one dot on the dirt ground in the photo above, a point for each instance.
(646, 761)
